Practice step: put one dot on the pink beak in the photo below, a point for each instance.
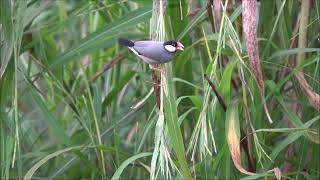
(180, 46)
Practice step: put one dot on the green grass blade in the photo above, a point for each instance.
(7, 35)
(197, 19)
(293, 51)
(105, 37)
(116, 90)
(291, 138)
(36, 166)
(130, 160)
(173, 127)
(54, 124)
(225, 83)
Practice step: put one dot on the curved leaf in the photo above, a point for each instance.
(104, 37)
(117, 174)
(35, 167)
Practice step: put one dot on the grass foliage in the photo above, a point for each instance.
(76, 105)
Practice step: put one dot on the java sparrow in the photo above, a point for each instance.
(153, 52)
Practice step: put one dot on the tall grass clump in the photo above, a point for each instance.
(241, 101)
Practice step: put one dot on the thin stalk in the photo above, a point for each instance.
(15, 109)
(220, 98)
(213, 62)
(273, 30)
(116, 75)
(313, 97)
(104, 173)
(18, 30)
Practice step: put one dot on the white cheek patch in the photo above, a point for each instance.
(170, 48)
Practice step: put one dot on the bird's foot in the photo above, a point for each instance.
(162, 70)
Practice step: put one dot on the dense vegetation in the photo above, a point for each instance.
(242, 100)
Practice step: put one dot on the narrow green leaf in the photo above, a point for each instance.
(105, 37)
(236, 13)
(288, 52)
(97, 101)
(6, 35)
(282, 130)
(57, 130)
(115, 91)
(291, 116)
(175, 79)
(291, 138)
(120, 169)
(197, 101)
(225, 83)
(35, 167)
(183, 116)
(173, 127)
(197, 19)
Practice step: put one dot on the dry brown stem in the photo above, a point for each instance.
(313, 97)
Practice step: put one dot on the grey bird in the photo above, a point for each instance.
(153, 52)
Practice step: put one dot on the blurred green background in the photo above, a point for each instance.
(67, 90)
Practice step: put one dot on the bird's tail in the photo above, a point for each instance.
(125, 42)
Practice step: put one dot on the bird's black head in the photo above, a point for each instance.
(172, 43)
(173, 46)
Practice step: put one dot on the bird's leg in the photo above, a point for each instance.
(163, 71)
(156, 84)
(155, 68)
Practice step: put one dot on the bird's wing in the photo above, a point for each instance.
(151, 49)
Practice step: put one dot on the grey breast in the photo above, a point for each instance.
(153, 50)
